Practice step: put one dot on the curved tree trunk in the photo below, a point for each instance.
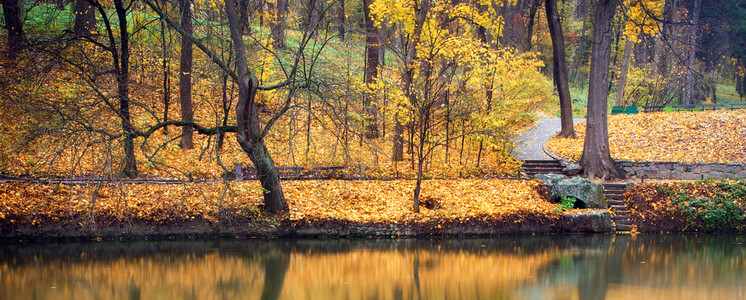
(596, 159)
(560, 69)
(249, 134)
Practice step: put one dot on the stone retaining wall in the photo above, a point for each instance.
(680, 171)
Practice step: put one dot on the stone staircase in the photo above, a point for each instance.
(615, 195)
(534, 167)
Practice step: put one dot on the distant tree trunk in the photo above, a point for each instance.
(85, 18)
(278, 24)
(249, 134)
(166, 74)
(579, 59)
(185, 77)
(314, 17)
(560, 68)
(530, 25)
(622, 82)
(342, 20)
(243, 15)
(16, 36)
(689, 90)
(371, 71)
(596, 159)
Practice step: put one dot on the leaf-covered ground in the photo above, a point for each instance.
(381, 202)
(692, 137)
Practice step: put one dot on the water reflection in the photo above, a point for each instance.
(546, 267)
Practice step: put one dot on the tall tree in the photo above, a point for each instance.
(342, 20)
(185, 76)
(692, 52)
(14, 26)
(596, 159)
(85, 18)
(372, 48)
(622, 81)
(560, 68)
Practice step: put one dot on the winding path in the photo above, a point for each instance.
(529, 143)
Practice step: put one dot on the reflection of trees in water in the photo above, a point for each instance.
(589, 265)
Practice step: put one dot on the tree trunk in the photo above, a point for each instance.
(166, 74)
(277, 24)
(689, 89)
(85, 18)
(560, 69)
(371, 72)
(122, 71)
(185, 76)
(249, 135)
(343, 20)
(596, 159)
(622, 82)
(16, 36)
(579, 60)
(530, 25)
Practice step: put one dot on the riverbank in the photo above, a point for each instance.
(349, 209)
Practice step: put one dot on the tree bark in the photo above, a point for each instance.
(249, 134)
(343, 20)
(560, 68)
(371, 72)
(689, 89)
(530, 25)
(596, 159)
(122, 71)
(14, 26)
(579, 59)
(277, 24)
(622, 82)
(185, 77)
(85, 18)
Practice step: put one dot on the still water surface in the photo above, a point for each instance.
(540, 267)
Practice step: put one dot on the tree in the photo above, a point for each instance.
(14, 26)
(371, 71)
(85, 18)
(596, 159)
(277, 23)
(560, 69)
(185, 76)
(692, 52)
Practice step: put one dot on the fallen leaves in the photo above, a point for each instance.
(384, 202)
(691, 137)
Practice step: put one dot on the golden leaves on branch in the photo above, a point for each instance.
(691, 137)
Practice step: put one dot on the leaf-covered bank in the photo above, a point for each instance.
(333, 207)
(701, 206)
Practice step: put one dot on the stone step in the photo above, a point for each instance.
(623, 227)
(623, 222)
(622, 213)
(614, 197)
(618, 207)
(616, 202)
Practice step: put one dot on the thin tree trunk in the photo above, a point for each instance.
(622, 83)
(130, 162)
(166, 75)
(581, 53)
(247, 119)
(185, 77)
(530, 25)
(596, 159)
(342, 20)
(560, 69)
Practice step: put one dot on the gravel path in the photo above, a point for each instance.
(529, 143)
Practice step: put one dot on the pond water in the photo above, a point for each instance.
(529, 267)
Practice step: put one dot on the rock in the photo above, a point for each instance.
(591, 194)
(572, 169)
(597, 221)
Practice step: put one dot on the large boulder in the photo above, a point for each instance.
(591, 194)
